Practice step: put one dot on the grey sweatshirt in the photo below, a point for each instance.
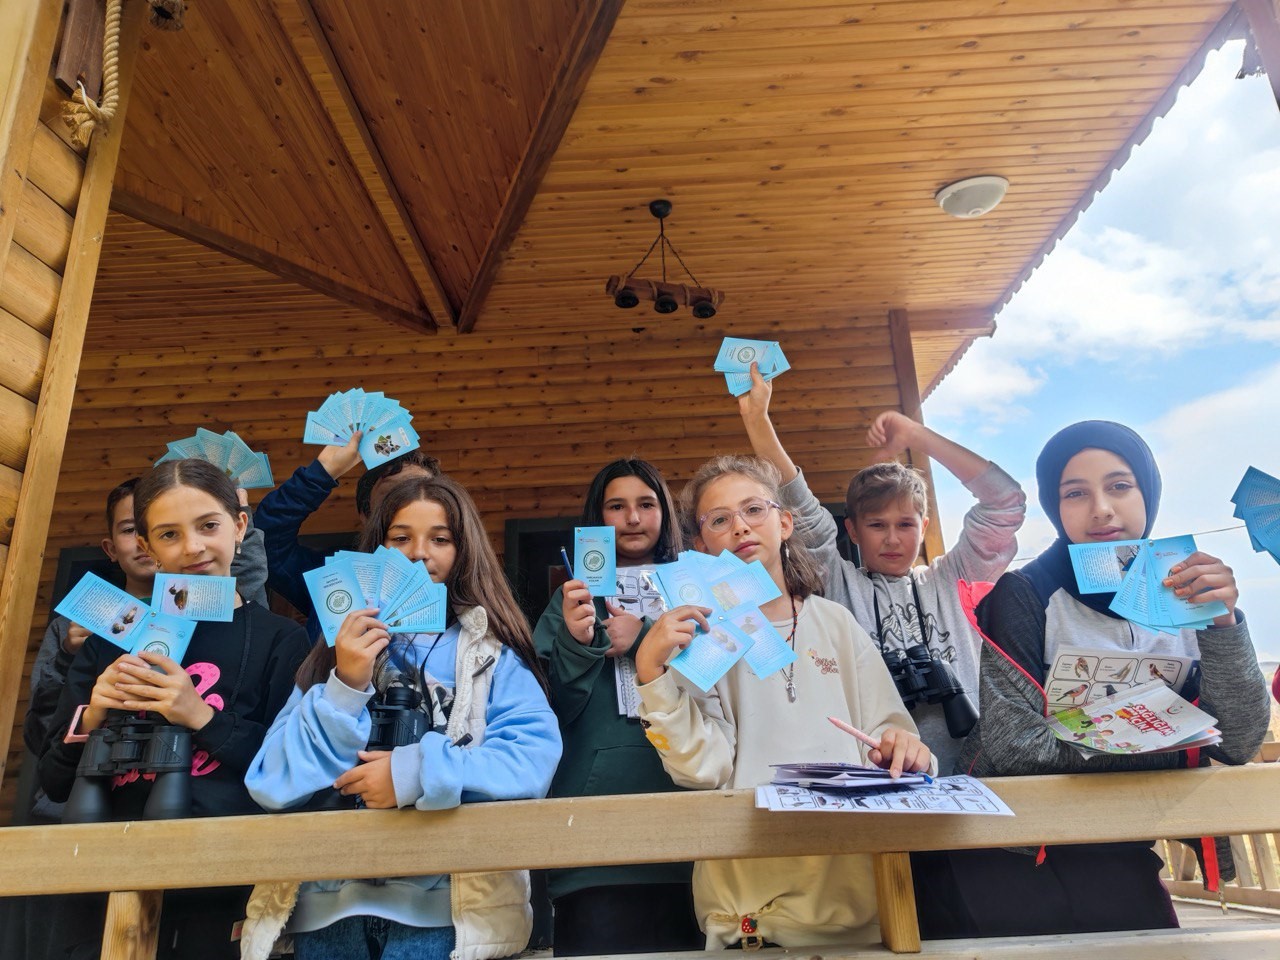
(983, 550)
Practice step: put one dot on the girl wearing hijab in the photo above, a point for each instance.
(1097, 482)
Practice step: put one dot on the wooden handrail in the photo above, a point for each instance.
(645, 828)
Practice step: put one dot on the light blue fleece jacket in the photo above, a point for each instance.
(317, 735)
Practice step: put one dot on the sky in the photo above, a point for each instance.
(1159, 309)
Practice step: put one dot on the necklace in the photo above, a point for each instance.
(791, 642)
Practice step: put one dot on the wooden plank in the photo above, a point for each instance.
(22, 356)
(30, 289)
(28, 32)
(17, 417)
(969, 323)
(709, 825)
(581, 51)
(896, 899)
(133, 925)
(56, 169)
(40, 479)
(80, 53)
(43, 228)
(157, 215)
(905, 365)
(1265, 860)
(298, 17)
(1264, 24)
(10, 484)
(1245, 896)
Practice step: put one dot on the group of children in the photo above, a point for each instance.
(585, 704)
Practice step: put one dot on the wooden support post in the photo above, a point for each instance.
(133, 925)
(904, 365)
(899, 928)
(49, 433)
(1264, 24)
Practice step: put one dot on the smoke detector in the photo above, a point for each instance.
(972, 197)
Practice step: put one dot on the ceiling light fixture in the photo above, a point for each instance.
(667, 297)
(972, 197)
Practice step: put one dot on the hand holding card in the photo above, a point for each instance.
(386, 425)
(228, 453)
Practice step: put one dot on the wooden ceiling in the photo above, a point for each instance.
(490, 162)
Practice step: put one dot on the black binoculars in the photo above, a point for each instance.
(127, 742)
(922, 677)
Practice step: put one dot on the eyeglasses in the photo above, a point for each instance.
(752, 512)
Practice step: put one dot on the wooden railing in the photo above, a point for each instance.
(133, 858)
(1256, 856)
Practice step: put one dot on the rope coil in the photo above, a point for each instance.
(85, 114)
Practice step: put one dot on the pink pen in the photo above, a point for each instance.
(854, 731)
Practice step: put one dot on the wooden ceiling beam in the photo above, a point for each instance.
(975, 322)
(1264, 24)
(302, 26)
(581, 52)
(258, 252)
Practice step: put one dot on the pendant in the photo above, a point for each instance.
(791, 690)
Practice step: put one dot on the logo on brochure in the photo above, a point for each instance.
(593, 561)
(338, 602)
(745, 354)
(157, 646)
(690, 593)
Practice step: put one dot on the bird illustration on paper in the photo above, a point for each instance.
(1082, 667)
(1156, 674)
(1122, 674)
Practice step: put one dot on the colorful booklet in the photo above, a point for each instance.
(736, 356)
(1080, 676)
(388, 432)
(1149, 718)
(131, 624)
(402, 592)
(1257, 501)
(595, 559)
(1135, 571)
(228, 453)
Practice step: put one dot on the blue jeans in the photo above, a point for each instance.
(373, 938)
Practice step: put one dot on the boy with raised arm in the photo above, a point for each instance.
(900, 604)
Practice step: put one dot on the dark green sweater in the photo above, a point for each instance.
(604, 752)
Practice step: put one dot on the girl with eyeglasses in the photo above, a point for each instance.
(729, 737)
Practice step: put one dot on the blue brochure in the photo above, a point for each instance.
(228, 453)
(105, 610)
(712, 653)
(1144, 599)
(736, 356)
(770, 652)
(165, 635)
(1257, 501)
(386, 425)
(1100, 567)
(195, 598)
(335, 591)
(126, 621)
(595, 559)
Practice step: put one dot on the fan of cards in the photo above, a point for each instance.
(1136, 570)
(736, 356)
(1257, 501)
(165, 625)
(228, 453)
(403, 593)
(386, 425)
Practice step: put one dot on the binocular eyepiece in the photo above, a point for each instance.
(922, 677)
(127, 742)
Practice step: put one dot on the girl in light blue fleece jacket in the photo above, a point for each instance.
(491, 736)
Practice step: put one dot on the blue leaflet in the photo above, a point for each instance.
(1143, 598)
(228, 453)
(126, 621)
(595, 559)
(195, 598)
(388, 432)
(1257, 501)
(736, 356)
(1100, 567)
(402, 592)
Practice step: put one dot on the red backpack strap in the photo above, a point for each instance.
(971, 594)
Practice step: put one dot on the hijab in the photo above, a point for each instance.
(1052, 571)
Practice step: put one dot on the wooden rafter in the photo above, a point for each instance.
(259, 252)
(1264, 23)
(908, 388)
(583, 48)
(977, 322)
(306, 33)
